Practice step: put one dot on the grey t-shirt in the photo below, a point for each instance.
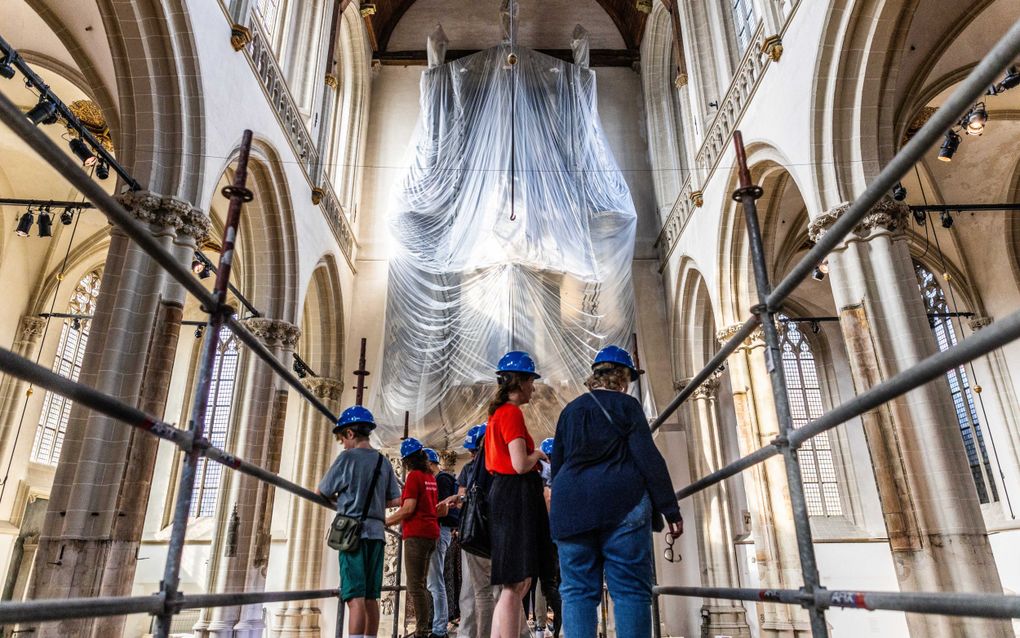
(348, 479)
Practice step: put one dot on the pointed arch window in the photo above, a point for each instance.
(268, 12)
(817, 464)
(74, 335)
(743, 22)
(966, 412)
(217, 421)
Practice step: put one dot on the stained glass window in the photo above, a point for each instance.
(743, 22)
(74, 334)
(817, 465)
(217, 420)
(959, 385)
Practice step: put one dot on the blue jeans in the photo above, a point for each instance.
(624, 554)
(437, 582)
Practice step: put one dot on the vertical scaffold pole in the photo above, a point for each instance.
(747, 194)
(361, 373)
(656, 612)
(238, 194)
(400, 549)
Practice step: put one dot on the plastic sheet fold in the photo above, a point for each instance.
(514, 229)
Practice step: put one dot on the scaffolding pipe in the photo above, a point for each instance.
(941, 603)
(13, 117)
(714, 364)
(970, 90)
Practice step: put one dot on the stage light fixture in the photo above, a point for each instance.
(67, 217)
(45, 223)
(6, 70)
(102, 170)
(45, 112)
(1011, 81)
(200, 268)
(816, 327)
(920, 218)
(817, 274)
(824, 267)
(25, 224)
(949, 146)
(975, 120)
(947, 219)
(899, 192)
(82, 151)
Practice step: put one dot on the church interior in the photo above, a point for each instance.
(428, 184)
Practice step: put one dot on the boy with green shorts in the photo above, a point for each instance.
(348, 482)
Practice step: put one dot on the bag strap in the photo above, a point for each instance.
(371, 488)
(476, 468)
(601, 407)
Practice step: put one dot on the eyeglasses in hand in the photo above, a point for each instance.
(668, 553)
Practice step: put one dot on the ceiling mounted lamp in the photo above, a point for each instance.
(947, 219)
(6, 70)
(899, 192)
(949, 146)
(67, 217)
(1011, 81)
(45, 112)
(83, 152)
(644, 6)
(25, 224)
(974, 121)
(200, 268)
(102, 170)
(817, 274)
(45, 223)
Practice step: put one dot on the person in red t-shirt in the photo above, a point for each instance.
(519, 523)
(418, 511)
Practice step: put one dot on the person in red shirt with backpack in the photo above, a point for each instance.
(418, 511)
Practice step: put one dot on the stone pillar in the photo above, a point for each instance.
(262, 417)
(314, 453)
(768, 495)
(93, 524)
(14, 392)
(930, 504)
(713, 518)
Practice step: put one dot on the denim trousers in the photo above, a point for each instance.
(624, 555)
(437, 582)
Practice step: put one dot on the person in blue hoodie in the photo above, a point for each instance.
(603, 446)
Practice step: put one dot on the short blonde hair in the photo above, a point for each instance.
(609, 376)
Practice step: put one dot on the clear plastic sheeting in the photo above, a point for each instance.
(494, 255)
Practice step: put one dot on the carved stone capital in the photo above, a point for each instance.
(977, 323)
(168, 212)
(757, 337)
(888, 215)
(709, 389)
(324, 388)
(240, 36)
(274, 333)
(31, 328)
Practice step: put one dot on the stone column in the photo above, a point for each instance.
(262, 417)
(768, 495)
(314, 452)
(14, 392)
(930, 504)
(713, 519)
(92, 529)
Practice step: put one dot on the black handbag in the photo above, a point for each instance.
(474, 515)
(345, 531)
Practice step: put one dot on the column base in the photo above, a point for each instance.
(781, 629)
(724, 620)
(298, 622)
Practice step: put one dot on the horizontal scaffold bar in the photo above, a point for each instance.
(37, 139)
(942, 603)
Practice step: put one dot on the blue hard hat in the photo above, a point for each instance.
(474, 437)
(432, 454)
(410, 446)
(619, 356)
(547, 446)
(354, 415)
(518, 361)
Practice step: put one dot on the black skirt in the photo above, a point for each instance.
(519, 524)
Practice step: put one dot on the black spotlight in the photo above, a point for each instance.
(76, 323)
(817, 274)
(199, 329)
(949, 146)
(102, 170)
(82, 152)
(6, 70)
(975, 120)
(947, 219)
(45, 223)
(899, 192)
(816, 327)
(45, 112)
(920, 217)
(1011, 81)
(67, 217)
(200, 268)
(25, 224)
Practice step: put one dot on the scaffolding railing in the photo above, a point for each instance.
(813, 596)
(169, 600)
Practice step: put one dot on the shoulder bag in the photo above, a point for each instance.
(474, 515)
(345, 531)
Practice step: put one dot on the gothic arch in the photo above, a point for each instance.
(665, 137)
(694, 322)
(322, 321)
(347, 148)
